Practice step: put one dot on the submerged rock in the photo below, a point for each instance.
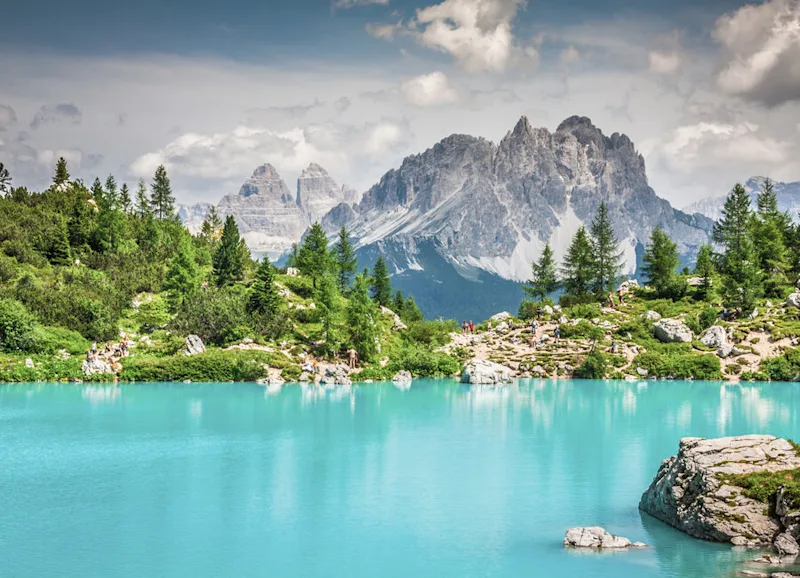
(484, 372)
(597, 537)
(690, 493)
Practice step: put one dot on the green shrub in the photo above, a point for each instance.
(53, 339)
(209, 366)
(16, 326)
(783, 368)
(152, 315)
(733, 369)
(594, 367)
(45, 369)
(300, 286)
(567, 301)
(702, 321)
(680, 365)
(423, 362)
(376, 373)
(529, 309)
(431, 333)
(218, 316)
(584, 311)
(762, 486)
(291, 372)
(583, 330)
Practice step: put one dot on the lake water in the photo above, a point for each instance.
(231, 480)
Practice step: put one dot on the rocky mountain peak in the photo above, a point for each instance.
(313, 170)
(266, 181)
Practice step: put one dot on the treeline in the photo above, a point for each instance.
(74, 257)
(756, 254)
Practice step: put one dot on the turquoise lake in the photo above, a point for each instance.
(232, 480)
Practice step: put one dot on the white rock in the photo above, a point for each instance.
(482, 371)
(715, 337)
(29, 363)
(398, 323)
(193, 346)
(96, 366)
(651, 316)
(672, 331)
(697, 281)
(338, 374)
(786, 546)
(502, 316)
(403, 376)
(547, 309)
(597, 537)
(793, 300)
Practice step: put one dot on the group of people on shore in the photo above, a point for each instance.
(467, 328)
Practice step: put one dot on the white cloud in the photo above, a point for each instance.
(664, 62)
(569, 56)
(384, 31)
(384, 137)
(762, 45)
(477, 33)
(429, 90)
(63, 112)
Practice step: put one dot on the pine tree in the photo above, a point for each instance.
(704, 267)
(313, 258)
(112, 194)
(211, 227)
(161, 200)
(346, 260)
(227, 261)
(399, 304)
(62, 174)
(605, 253)
(660, 262)
(79, 226)
(577, 271)
(545, 278)
(739, 263)
(411, 313)
(143, 206)
(381, 283)
(183, 276)
(771, 231)
(245, 257)
(58, 252)
(327, 298)
(362, 315)
(125, 198)
(98, 194)
(264, 297)
(5, 180)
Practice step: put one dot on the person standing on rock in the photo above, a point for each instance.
(557, 333)
(351, 353)
(611, 300)
(489, 325)
(534, 325)
(471, 327)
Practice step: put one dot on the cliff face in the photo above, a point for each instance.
(266, 212)
(493, 207)
(788, 199)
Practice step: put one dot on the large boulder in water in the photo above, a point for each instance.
(484, 372)
(597, 537)
(402, 377)
(672, 331)
(338, 374)
(690, 493)
(193, 346)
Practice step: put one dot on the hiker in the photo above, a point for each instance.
(534, 325)
(471, 327)
(539, 313)
(613, 347)
(351, 353)
(557, 333)
(489, 325)
(464, 328)
(611, 300)
(621, 296)
(316, 366)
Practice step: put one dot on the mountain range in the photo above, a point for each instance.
(461, 223)
(788, 199)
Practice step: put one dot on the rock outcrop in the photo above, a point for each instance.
(193, 346)
(793, 300)
(715, 337)
(690, 491)
(484, 372)
(96, 366)
(318, 193)
(403, 379)
(597, 537)
(338, 374)
(672, 331)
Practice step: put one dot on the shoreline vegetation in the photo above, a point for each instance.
(104, 284)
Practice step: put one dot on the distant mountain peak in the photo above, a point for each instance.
(575, 121)
(313, 170)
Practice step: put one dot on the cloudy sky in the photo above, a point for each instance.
(709, 91)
